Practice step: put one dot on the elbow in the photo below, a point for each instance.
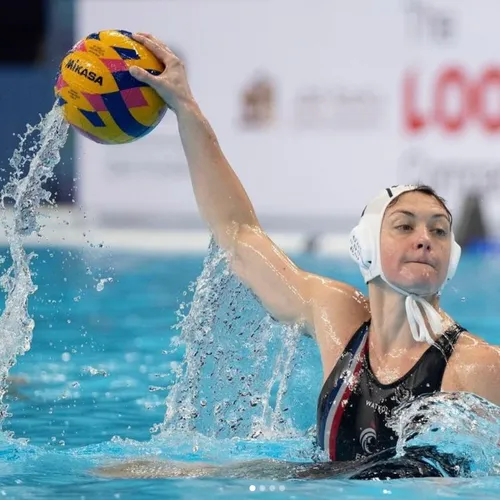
(240, 243)
(234, 237)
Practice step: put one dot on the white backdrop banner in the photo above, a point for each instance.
(317, 105)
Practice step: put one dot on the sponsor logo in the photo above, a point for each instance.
(368, 440)
(338, 107)
(334, 107)
(75, 66)
(258, 103)
(452, 100)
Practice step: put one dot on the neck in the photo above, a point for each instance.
(390, 329)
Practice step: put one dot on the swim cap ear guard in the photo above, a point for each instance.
(364, 248)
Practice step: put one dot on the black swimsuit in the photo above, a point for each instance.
(354, 407)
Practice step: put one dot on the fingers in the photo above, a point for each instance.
(158, 48)
(149, 37)
(142, 75)
(152, 45)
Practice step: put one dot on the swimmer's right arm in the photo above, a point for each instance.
(287, 292)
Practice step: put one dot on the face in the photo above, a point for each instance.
(415, 243)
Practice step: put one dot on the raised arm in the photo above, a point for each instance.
(287, 292)
(284, 289)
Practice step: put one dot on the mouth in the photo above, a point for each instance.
(422, 262)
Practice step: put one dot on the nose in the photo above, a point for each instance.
(424, 245)
(423, 240)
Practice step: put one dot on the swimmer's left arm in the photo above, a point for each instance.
(477, 366)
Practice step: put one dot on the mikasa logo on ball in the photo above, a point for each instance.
(76, 66)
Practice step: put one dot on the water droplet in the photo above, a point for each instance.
(94, 371)
(153, 388)
(100, 286)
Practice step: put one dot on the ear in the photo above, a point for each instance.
(360, 247)
(455, 254)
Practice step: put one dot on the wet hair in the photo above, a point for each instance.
(424, 189)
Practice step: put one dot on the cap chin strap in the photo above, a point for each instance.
(418, 327)
(416, 320)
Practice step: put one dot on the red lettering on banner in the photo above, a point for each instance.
(456, 100)
(414, 119)
(452, 80)
(490, 80)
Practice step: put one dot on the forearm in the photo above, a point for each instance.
(221, 198)
(254, 469)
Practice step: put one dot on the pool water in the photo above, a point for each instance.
(93, 386)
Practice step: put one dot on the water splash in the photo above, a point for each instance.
(459, 424)
(100, 285)
(234, 377)
(32, 164)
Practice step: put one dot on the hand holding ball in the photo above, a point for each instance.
(98, 95)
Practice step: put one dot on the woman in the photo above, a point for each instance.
(376, 352)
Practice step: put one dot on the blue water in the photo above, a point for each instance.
(94, 383)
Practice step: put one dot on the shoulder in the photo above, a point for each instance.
(476, 367)
(337, 296)
(472, 349)
(337, 310)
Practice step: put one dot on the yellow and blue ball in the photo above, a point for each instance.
(98, 95)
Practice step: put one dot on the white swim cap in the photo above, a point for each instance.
(364, 248)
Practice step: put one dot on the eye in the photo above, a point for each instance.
(440, 231)
(404, 227)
